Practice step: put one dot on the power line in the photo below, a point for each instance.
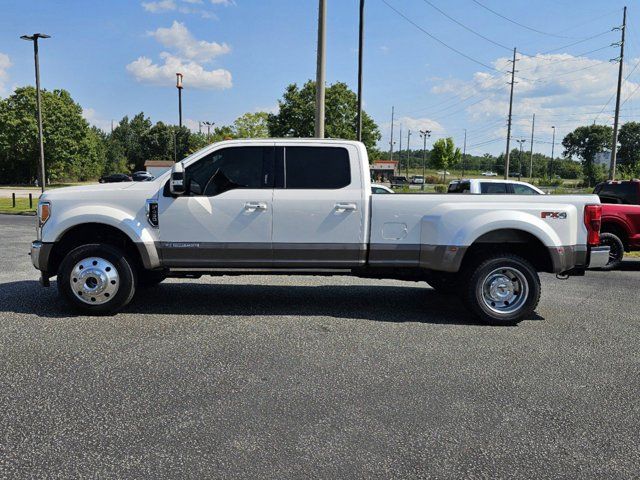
(518, 23)
(466, 27)
(440, 41)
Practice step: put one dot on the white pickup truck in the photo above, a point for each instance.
(305, 206)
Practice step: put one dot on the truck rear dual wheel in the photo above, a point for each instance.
(97, 279)
(502, 290)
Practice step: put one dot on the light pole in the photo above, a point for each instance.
(520, 141)
(179, 87)
(209, 125)
(408, 151)
(320, 69)
(360, 47)
(553, 146)
(424, 134)
(34, 38)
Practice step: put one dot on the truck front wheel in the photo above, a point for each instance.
(97, 279)
(502, 289)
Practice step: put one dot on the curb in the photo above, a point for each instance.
(25, 214)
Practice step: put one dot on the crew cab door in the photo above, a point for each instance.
(318, 207)
(225, 218)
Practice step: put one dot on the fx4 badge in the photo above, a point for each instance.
(555, 215)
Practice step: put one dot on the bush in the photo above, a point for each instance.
(441, 188)
(432, 179)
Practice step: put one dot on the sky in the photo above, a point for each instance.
(442, 64)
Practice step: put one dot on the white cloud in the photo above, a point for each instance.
(561, 89)
(195, 75)
(5, 63)
(180, 39)
(188, 58)
(186, 7)
(94, 119)
(160, 6)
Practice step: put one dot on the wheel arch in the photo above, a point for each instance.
(515, 241)
(95, 232)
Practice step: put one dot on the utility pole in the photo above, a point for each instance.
(508, 153)
(391, 141)
(614, 143)
(179, 87)
(553, 147)
(533, 127)
(464, 153)
(112, 126)
(408, 152)
(360, 52)
(199, 127)
(400, 152)
(424, 134)
(34, 38)
(520, 141)
(320, 74)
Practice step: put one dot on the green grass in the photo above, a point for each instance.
(632, 254)
(22, 205)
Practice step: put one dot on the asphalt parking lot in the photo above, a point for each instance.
(280, 377)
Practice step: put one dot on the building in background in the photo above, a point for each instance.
(158, 167)
(383, 170)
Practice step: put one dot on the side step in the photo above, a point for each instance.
(198, 272)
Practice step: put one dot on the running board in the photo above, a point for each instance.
(197, 272)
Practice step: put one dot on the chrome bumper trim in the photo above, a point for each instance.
(36, 248)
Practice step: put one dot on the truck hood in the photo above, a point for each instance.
(101, 189)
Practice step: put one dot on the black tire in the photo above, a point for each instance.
(444, 282)
(616, 252)
(522, 280)
(125, 274)
(151, 278)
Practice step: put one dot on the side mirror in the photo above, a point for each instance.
(177, 184)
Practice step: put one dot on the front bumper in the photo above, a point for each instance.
(598, 257)
(40, 253)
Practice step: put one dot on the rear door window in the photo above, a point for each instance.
(493, 188)
(523, 190)
(325, 168)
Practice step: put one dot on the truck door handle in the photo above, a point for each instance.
(343, 207)
(253, 206)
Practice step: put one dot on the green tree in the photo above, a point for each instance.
(585, 142)
(72, 150)
(629, 139)
(296, 115)
(129, 137)
(444, 154)
(251, 125)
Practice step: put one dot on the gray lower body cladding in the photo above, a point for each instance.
(447, 258)
(315, 255)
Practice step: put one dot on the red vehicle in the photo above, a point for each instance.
(620, 218)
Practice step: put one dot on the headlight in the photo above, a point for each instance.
(44, 212)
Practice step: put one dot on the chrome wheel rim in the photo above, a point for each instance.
(94, 280)
(504, 290)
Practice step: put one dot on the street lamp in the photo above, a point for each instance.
(179, 87)
(553, 146)
(520, 141)
(424, 134)
(360, 47)
(208, 125)
(34, 38)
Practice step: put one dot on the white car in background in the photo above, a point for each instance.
(493, 187)
(489, 174)
(377, 188)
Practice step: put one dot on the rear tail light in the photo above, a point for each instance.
(593, 221)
